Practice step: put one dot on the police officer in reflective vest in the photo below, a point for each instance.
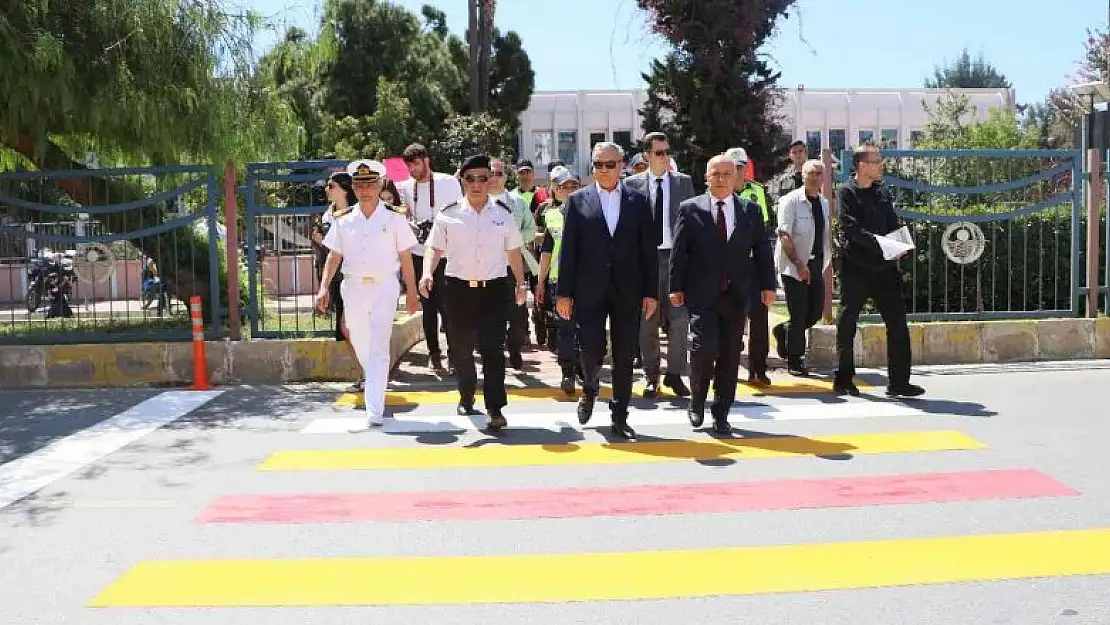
(481, 241)
(561, 333)
(372, 241)
(759, 340)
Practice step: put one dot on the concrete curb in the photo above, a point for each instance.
(266, 361)
(974, 342)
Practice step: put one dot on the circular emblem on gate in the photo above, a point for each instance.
(963, 242)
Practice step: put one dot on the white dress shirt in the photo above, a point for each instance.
(652, 186)
(475, 243)
(730, 213)
(610, 205)
(448, 191)
(370, 245)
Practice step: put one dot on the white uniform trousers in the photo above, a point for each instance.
(369, 310)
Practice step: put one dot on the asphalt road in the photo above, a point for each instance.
(981, 503)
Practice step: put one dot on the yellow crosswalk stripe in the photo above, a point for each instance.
(633, 575)
(547, 393)
(616, 453)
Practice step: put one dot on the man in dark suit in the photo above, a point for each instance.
(666, 190)
(608, 272)
(721, 252)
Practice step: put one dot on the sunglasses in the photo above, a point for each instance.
(661, 152)
(473, 178)
(606, 165)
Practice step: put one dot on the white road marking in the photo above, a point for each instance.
(29, 473)
(744, 412)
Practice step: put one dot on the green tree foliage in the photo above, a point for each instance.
(714, 90)
(1094, 66)
(967, 73)
(464, 135)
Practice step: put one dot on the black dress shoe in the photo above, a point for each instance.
(845, 388)
(721, 426)
(797, 368)
(696, 415)
(675, 383)
(651, 390)
(496, 422)
(904, 390)
(585, 409)
(758, 379)
(466, 409)
(567, 384)
(621, 429)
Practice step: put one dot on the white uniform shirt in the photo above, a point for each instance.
(370, 246)
(729, 210)
(448, 191)
(475, 243)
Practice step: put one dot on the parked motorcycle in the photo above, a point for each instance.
(50, 274)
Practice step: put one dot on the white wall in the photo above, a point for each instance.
(817, 114)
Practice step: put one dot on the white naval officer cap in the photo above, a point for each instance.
(366, 169)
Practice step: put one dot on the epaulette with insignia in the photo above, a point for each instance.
(400, 210)
(454, 204)
(340, 212)
(502, 205)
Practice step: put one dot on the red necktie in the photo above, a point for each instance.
(722, 227)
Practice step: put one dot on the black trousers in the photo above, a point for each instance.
(561, 333)
(759, 334)
(717, 338)
(623, 316)
(433, 306)
(539, 316)
(805, 303)
(477, 319)
(518, 319)
(885, 288)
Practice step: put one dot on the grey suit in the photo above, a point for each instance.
(680, 188)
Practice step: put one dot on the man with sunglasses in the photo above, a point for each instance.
(372, 241)
(479, 238)
(608, 273)
(666, 190)
(866, 209)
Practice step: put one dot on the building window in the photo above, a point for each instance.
(596, 138)
(813, 143)
(889, 138)
(837, 141)
(865, 136)
(543, 149)
(916, 136)
(623, 138)
(568, 147)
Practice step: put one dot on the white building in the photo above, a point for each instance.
(564, 124)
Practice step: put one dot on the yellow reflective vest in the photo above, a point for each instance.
(553, 220)
(754, 191)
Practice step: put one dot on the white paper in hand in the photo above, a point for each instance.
(896, 243)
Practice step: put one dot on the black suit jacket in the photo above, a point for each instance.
(700, 255)
(591, 259)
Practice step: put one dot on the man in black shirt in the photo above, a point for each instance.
(867, 209)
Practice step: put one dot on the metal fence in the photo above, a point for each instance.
(999, 233)
(107, 254)
(283, 201)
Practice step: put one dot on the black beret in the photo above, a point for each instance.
(478, 161)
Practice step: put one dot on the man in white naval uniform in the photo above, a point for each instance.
(372, 242)
(480, 239)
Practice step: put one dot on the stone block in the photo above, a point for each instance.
(341, 364)
(1061, 339)
(872, 346)
(1102, 337)
(821, 346)
(179, 362)
(22, 366)
(407, 331)
(75, 366)
(259, 362)
(952, 342)
(133, 364)
(309, 360)
(1009, 341)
